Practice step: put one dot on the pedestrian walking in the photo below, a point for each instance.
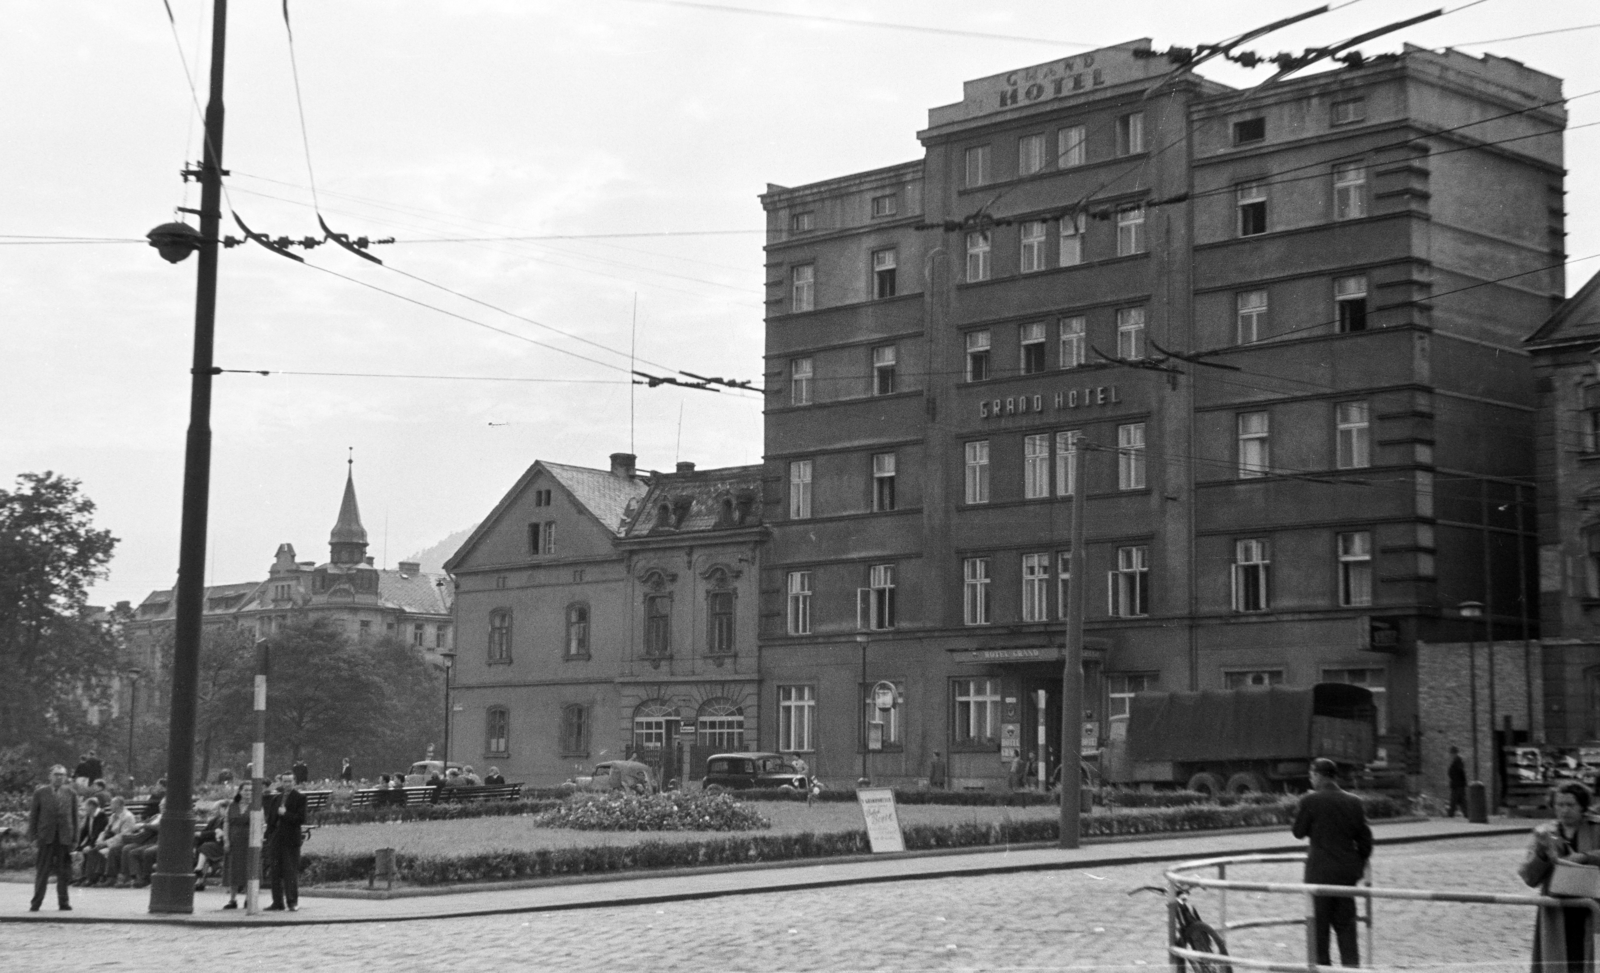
(286, 815)
(1018, 771)
(936, 772)
(346, 772)
(301, 772)
(1340, 844)
(53, 825)
(1563, 938)
(1458, 784)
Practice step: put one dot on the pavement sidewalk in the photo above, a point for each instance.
(336, 906)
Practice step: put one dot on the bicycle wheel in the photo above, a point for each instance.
(1202, 938)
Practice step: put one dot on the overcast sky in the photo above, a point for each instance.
(434, 121)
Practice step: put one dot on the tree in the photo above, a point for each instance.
(57, 658)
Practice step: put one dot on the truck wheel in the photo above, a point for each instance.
(1246, 782)
(1207, 784)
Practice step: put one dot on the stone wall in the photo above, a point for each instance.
(1444, 710)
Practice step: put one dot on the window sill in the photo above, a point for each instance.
(498, 662)
(496, 754)
(581, 657)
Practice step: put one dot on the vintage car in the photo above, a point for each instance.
(423, 770)
(740, 771)
(612, 775)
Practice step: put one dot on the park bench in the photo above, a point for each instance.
(383, 797)
(480, 792)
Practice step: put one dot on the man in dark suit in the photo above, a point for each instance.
(285, 813)
(302, 773)
(1341, 843)
(1458, 783)
(53, 825)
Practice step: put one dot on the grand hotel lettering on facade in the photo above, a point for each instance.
(1016, 405)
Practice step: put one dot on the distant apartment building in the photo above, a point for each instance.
(1283, 329)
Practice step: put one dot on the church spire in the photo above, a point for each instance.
(348, 542)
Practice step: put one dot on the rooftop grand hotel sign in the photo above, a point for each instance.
(1062, 78)
(1074, 398)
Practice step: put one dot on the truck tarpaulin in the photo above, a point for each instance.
(1270, 723)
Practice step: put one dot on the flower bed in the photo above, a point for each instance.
(673, 811)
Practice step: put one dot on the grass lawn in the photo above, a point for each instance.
(473, 835)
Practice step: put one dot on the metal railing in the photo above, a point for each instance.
(1179, 880)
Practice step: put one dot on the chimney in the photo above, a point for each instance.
(684, 466)
(410, 567)
(622, 464)
(367, 560)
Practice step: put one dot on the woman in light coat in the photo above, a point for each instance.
(1563, 931)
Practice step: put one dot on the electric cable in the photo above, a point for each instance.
(944, 31)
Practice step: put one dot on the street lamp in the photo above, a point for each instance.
(864, 641)
(133, 673)
(448, 660)
(1477, 806)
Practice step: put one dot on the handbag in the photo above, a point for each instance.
(1572, 879)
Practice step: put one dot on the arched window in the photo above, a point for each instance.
(497, 731)
(719, 725)
(500, 636)
(574, 730)
(650, 724)
(578, 631)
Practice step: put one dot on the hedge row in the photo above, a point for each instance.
(960, 798)
(435, 812)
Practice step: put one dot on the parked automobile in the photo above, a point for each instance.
(610, 775)
(740, 771)
(422, 770)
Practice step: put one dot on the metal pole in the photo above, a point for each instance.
(1311, 932)
(444, 764)
(865, 780)
(172, 885)
(1522, 614)
(258, 773)
(1472, 688)
(1072, 665)
(1488, 639)
(133, 712)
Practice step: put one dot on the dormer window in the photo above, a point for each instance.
(680, 511)
(664, 515)
(725, 515)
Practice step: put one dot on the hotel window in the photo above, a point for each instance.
(977, 715)
(1066, 461)
(1130, 333)
(800, 374)
(977, 356)
(875, 603)
(800, 489)
(1063, 584)
(1129, 584)
(1349, 190)
(499, 637)
(1036, 465)
(885, 205)
(803, 222)
(542, 538)
(1030, 340)
(799, 602)
(1120, 687)
(975, 591)
(1130, 134)
(1254, 447)
(497, 730)
(978, 166)
(883, 362)
(1350, 303)
(1130, 230)
(797, 711)
(1252, 309)
(577, 631)
(803, 279)
(1251, 200)
(719, 623)
(1071, 239)
(1071, 147)
(883, 481)
(574, 730)
(1030, 154)
(658, 626)
(719, 726)
(1130, 456)
(1250, 566)
(1073, 349)
(1249, 130)
(1353, 433)
(883, 273)
(1252, 678)
(1349, 111)
(1355, 568)
(977, 479)
(883, 725)
(1032, 246)
(978, 255)
(1035, 587)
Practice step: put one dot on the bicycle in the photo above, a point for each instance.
(1192, 932)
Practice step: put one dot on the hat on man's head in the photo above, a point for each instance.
(1325, 767)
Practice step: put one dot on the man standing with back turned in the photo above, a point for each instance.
(1341, 843)
(53, 825)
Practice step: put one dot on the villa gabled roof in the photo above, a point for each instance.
(694, 502)
(1575, 319)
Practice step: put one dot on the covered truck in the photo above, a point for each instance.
(1240, 740)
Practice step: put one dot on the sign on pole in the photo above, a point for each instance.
(883, 822)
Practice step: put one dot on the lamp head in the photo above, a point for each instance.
(1470, 609)
(174, 241)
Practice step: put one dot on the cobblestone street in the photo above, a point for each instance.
(1062, 920)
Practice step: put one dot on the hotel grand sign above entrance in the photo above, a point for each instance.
(1062, 78)
(1088, 396)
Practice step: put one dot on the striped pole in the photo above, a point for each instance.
(258, 774)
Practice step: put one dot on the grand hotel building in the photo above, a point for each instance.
(1286, 326)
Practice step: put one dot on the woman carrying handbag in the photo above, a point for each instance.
(1571, 839)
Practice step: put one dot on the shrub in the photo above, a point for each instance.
(672, 811)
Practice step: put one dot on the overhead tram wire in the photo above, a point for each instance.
(1519, 37)
(418, 376)
(299, 101)
(915, 28)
